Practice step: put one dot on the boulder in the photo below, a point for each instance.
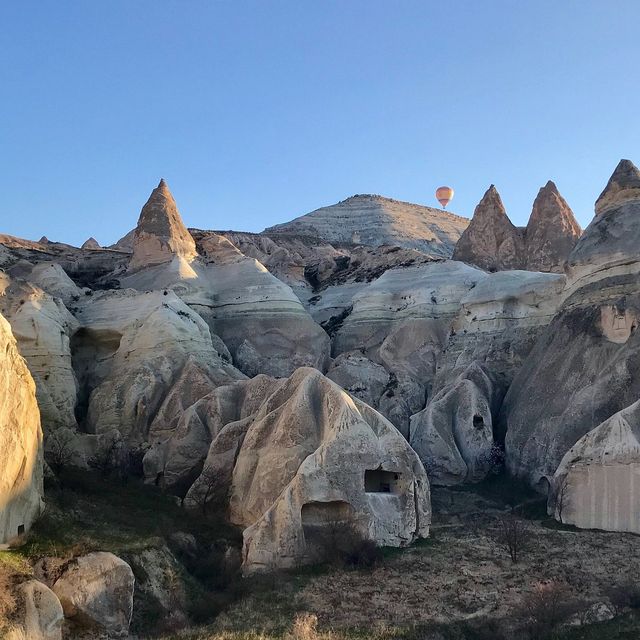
(42, 614)
(21, 459)
(96, 591)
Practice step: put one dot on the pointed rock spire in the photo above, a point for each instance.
(91, 243)
(490, 241)
(160, 235)
(552, 231)
(623, 186)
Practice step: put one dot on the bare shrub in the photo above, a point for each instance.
(548, 606)
(305, 627)
(625, 595)
(108, 456)
(59, 450)
(514, 535)
(342, 544)
(207, 494)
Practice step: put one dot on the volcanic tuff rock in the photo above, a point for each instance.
(584, 367)
(551, 233)
(43, 327)
(21, 488)
(375, 220)
(311, 456)
(491, 242)
(90, 243)
(96, 590)
(623, 187)
(160, 235)
(42, 614)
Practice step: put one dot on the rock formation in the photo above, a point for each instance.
(42, 612)
(21, 488)
(491, 242)
(90, 243)
(96, 591)
(551, 233)
(160, 235)
(623, 188)
(375, 220)
(596, 483)
(311, 456)
(584, 366)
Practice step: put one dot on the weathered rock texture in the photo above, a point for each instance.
(96, 591)
(42, 614)
(311, 456)
(375, 220)
(551, 233)
(160, 235)
(493, 243)
(597, 484)
(90, 243)
(21, 488)
(623, 187)
(584, 367)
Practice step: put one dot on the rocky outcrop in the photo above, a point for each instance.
(596, 485)
(21, 487)
(143, 357)
(623, 188)
(308, 457)
(491, 242)
(90, 243)
(375, 220)
(96, 591)
(259, 318)
(551, 233)
(42, 614)
(584, 367)
(43, 328)
(160, 235)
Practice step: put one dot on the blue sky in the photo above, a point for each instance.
(256, 112)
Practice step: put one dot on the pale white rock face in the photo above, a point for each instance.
(175, 460)
(132, 350)
(96, 591)
(597, 484)
(21, 488)
(42, 614)
(160, 234)
(309, 455)
(53, 279)
(43, 327)
(376, 220)
(453, 435)
(362, 378)
(402, 321)
(258, 317)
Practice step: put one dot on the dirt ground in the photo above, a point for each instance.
(463, 572)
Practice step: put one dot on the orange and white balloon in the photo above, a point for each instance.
(444, 195)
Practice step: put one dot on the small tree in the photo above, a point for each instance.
(107, 457)
(59, 449)
(548, 606)
(207, 491)
(514, 535)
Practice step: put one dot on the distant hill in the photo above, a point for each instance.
(375, 220)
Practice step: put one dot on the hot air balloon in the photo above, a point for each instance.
(444, 195)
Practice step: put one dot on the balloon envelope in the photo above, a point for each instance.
(444, 195)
